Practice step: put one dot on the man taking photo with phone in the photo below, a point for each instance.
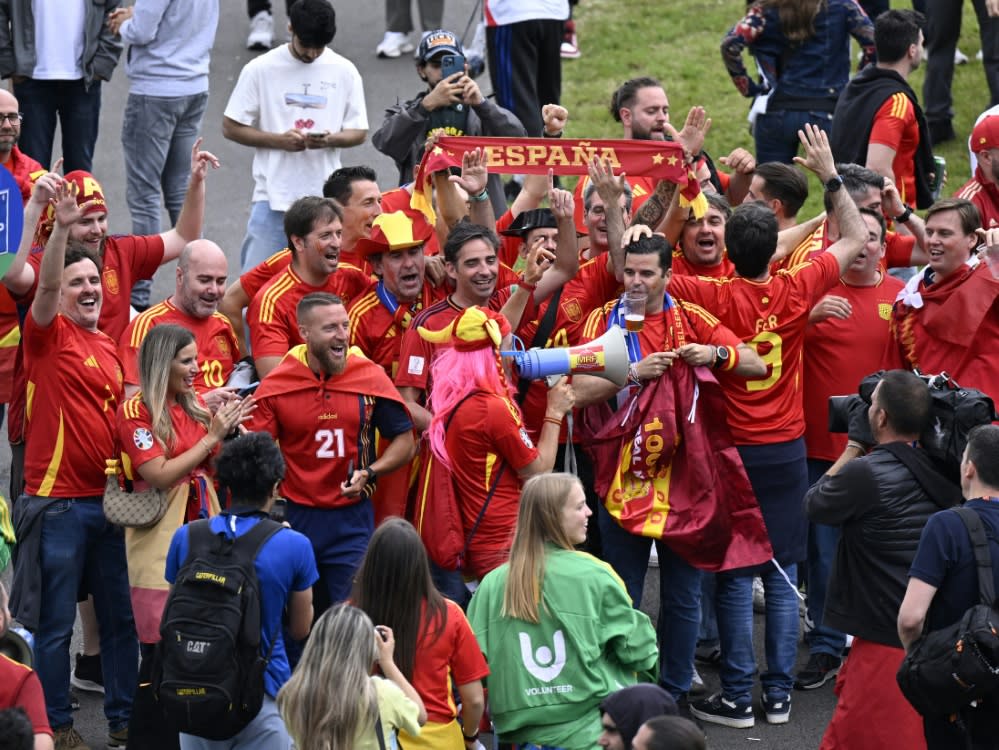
(453, 103)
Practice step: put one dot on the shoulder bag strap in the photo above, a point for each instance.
(983, 559)
(540, 339)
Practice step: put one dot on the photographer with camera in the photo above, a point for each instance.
(880, 501)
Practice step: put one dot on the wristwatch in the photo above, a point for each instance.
(721, 357)
(834, 184)
(372, 474)
(904, 216)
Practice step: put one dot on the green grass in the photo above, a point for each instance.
(678, 42)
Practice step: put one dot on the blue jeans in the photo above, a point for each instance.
(157, 135)
(81, 551)
(734, 603)
(264, 235)
(266, 732)
(679, 597)
(708, 631)
(776, 133)
(822, 543)
(451, 584)
(78, 110)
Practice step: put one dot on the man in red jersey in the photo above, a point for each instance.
(946, 315)
(700, 250)
(323, 403)
(356, 190)
(200, 284)
(65, 544)
(782, 187)
(765, 415)
(380, 317)
(314, 227)
(672, 329)
(983, 188)
(847, 332)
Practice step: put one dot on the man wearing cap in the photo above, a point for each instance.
(297, 106)
(454, 105)
(983, 188)
(313, 227)
(323, 403)
(200, 283)
(624, 711)
(470, 390)
(379, 318)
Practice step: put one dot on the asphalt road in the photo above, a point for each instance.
(360, 26)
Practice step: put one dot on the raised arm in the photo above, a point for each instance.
(473, 180)
(819, 159)
(566, 252)
(67, 212)
(610, 189)
(20, 276)
(192, 213)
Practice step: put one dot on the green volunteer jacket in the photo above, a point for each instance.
(547, 679)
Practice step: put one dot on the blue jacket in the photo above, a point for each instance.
(804, 75)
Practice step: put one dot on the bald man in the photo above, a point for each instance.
(201, 275)
(23, 167)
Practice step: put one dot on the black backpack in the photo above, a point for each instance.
(947, 669)
(209, 672)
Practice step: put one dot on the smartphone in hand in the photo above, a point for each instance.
(451, 64)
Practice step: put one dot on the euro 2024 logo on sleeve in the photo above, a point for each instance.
(546, 663)
(11, 218)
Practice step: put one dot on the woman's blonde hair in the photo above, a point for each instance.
(539, 522)
(156, 354)
(797, 17)
(330, 698)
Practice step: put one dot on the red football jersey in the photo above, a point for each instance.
(253, 280)
(451, 653)
(322, 426)
(378, 332)
(895, 126)
(771, 317)
(839, 354)
(218, 351)
(723, 269)
(139, 443)
(74, 387)
(272, 318)
(20, 687)
(898, 250)
(475, 455)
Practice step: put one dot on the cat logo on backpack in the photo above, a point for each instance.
(209, 674)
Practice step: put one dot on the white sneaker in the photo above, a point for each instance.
(393, 44)
(959, 57)
(979, 55)
(261, 31)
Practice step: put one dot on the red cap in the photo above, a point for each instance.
(986, 134)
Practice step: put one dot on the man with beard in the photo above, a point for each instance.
(201, 274)
(878, 121)
(314, 228)
(983, 188)
(323, 403)
(23, 167)
(65, 544)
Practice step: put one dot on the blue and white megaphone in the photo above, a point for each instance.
(605, 357)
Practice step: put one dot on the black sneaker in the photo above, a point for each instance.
(708, 653)
(777, 708)
(88, 676)
(818, 671)
(719, 710)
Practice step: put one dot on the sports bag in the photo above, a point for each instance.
(209, 672)
(437, 517)
(947, 669)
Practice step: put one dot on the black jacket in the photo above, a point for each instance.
(853, 121)
(881, 508)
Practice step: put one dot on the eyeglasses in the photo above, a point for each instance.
(12, 117)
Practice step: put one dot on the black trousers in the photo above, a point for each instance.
(525, 65)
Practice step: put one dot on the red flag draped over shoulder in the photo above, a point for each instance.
(565, 156)
(666, 467)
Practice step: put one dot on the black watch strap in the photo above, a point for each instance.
(833, 184)
(903, 217)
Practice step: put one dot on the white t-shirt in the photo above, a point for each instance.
(276, 92)
(59, 39)
(503, 12)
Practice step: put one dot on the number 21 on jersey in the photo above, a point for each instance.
(330, 443)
